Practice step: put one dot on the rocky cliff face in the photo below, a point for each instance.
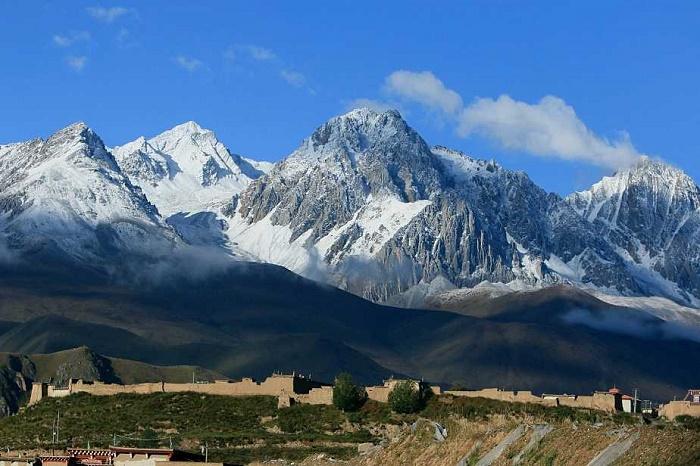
(650, 214)
(16, 375)
(365, 200)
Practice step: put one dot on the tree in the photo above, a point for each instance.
(346, 395)
(406, 397)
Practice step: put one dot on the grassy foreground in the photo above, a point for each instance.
(235, 429)
(248, 429)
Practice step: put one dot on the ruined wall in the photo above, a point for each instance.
(276, 385)
(105, 389)
(522, 396)
(316, 396)
(599, 401)
(39, 392)
(378, 393)
(673, 409)
(272, 386)
(54, 392)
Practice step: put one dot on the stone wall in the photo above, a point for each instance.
(673, 409)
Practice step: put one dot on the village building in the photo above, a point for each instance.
(124, 456)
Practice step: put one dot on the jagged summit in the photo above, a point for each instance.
(74, 128)
(365, 114)
(188, 127)
(185, 169)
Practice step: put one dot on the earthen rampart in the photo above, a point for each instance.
(601, 401)
(673, 409)
(291, 386)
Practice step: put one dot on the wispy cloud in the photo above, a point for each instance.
(255, 52)
(260, 53)
(125, 39)
(294, 78)
(548, 128)
(244, 55)
(77, 63)
(188, 63)
(107, 15)
(66, 40)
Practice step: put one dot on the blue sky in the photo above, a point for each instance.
(567, 91)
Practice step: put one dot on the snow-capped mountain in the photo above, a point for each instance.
(66, 196)
(368, 202)
(650, 214)
(186, 169)
(364, 203)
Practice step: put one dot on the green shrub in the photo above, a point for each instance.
(406, 398)
(309, 419)
(346, 395)
(689, 422)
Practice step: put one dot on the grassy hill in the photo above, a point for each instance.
(18, 371)
(252, 429)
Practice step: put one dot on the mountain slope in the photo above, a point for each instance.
(651, 214)
(18, 372)
(66, 197)
(255, 318)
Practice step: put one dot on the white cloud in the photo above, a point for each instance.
(124, 38)
(107, 15)
(424, 88)
(253, 51)
(376, 105)
(66, 40)
(294, 78)
(261, 53)
(76, 62)
(548, 128)
(188, 63)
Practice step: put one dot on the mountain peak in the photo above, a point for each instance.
(363, 113)
(363, 128)
(71, 131)
(646, 171)
(188, 127)
(83, 140)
